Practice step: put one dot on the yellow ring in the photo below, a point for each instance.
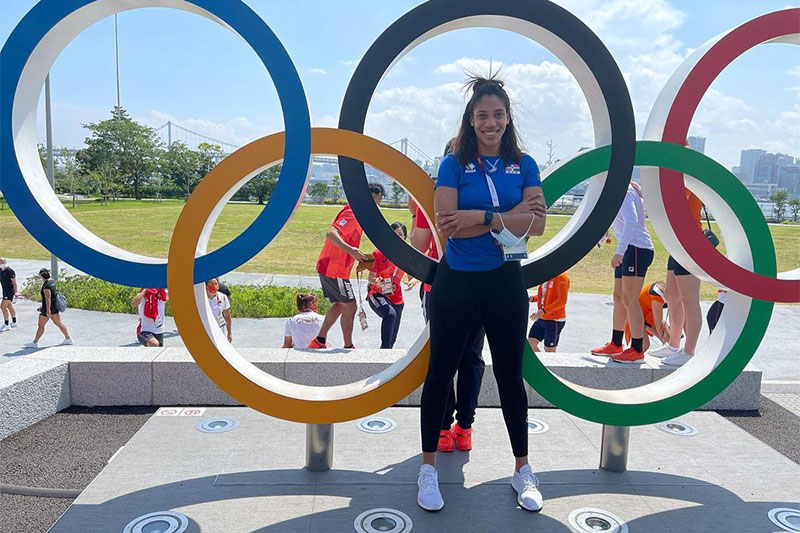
(225, 366)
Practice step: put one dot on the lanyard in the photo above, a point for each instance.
(489, 183)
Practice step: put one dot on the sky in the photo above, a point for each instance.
(181, 67)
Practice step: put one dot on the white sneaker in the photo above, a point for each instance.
(66, 342)
(13, 324)
(526, 484)
(429, 497)
(665, 350)
(29, 345)
(678, 358)
(4, 327)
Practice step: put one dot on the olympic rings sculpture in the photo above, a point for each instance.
(748, 269)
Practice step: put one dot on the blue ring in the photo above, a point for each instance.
(16, 52)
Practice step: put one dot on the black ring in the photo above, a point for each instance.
(428, 17)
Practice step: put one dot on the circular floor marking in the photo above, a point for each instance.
(217, 425)
(376, 424)
(590, 520)
(158, 522)
(537, 426)
(383, 521)
(786, 519)
(676, 427)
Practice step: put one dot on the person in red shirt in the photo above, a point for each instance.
(551, 315)
(385, 295)
(334, 265)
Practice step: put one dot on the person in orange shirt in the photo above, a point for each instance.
(651, 300)
(385, 295)
(334, 265)
(551, 316)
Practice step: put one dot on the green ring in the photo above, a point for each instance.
(727, 186)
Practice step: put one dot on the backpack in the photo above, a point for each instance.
(61, 302)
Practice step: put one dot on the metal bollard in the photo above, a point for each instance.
(614, 448)
(319, 447)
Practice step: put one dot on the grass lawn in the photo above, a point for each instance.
(145, 227)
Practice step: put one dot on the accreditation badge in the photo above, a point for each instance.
(517, 252)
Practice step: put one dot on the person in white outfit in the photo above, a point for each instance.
(220, 307)
(303, 327)
(633, 255)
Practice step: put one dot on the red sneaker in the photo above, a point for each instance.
(609, 349)
(446, 442)
(463, 437)
(629, 356)
(315, 344)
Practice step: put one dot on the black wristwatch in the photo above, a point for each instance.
(488, 216)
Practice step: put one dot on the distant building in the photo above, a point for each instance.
(747, 164)
(697, 144)
(762, 191)
(789, 179)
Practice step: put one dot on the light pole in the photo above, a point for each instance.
(50, 165)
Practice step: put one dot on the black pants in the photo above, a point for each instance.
(390, 318)
(460, 303)
(714, 312)
(461, 406)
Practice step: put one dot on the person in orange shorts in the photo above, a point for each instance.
(334, 265)
(551, 315)
(651, 300)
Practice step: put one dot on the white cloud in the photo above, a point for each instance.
(794, 71)
(348, 62)
(318, 71)
(547, 103)
(326, 121)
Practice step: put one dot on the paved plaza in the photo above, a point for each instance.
(125, 462)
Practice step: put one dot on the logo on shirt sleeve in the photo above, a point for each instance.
(470, 168)
(343, 222)
(512, 169)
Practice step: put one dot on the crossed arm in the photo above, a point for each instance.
(454, 222)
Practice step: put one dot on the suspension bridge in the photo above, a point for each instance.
(171, 133)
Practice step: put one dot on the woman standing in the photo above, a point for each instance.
(488, 200)
(48, 311)
(220, 307)
(386, 292)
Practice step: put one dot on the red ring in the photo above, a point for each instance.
(676, 128)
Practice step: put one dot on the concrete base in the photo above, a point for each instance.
(251, 478)
(30, 391)
(42, 382)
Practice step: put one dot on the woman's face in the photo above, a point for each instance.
(489, 118)
(400, 233)
(212, 287)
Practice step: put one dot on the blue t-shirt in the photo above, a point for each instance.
(481, 253)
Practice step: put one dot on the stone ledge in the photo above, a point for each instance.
(170, 376)
(30, 391)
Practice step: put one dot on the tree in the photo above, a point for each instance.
(780, 197)
(105, 180)
(181, 166)
(336, 187)
(208, 156)
(132, 149)
(68, 177)
(261, 186)
(319, 191)
(397, 192)
(794, 206)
